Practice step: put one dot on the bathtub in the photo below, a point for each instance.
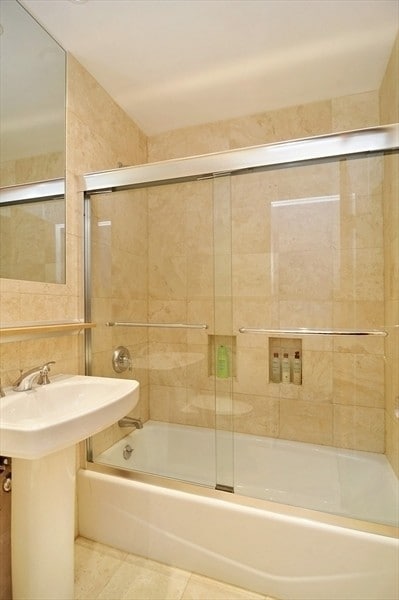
(257, 537)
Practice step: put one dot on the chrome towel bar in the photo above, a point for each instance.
(306, 331)
(164, 325)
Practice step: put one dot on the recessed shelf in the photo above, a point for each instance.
(281, 350)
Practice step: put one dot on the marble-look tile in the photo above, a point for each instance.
(252, 371)
(10, 307)
(138, 578)
(389, 90)
(107, 573)
(251, 275)
(355, 111)
(359, 428)
(95, 564)
(256, 415)
(203, 588)
(306, 422)
(317, 377)
(392, 442)
(358, 314)
(306, 275)
(188, 141)
(358, 379)
(306, 313)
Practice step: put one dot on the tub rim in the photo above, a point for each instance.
(284, 510)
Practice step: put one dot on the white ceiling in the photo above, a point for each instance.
(175, 63)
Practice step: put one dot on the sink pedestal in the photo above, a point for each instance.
(42, 526)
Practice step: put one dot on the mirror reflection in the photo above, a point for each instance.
(33, 241)
(32, 149)
(32, 99)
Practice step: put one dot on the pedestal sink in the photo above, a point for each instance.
(39, 429)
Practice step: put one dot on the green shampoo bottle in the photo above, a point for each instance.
(222, 362)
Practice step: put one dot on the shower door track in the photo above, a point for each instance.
(232, 162)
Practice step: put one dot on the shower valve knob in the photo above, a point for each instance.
(121, 359)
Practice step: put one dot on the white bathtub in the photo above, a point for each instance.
(271, 548)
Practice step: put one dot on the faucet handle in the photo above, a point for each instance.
(44, 371)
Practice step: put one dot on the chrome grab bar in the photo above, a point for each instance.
(305, 331)
(169, 325)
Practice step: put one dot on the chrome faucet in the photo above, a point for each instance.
(130, 422)
(26, 380)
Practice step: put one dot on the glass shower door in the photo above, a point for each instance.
(152, 292)
(309, 262)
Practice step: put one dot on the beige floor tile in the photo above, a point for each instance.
(95, 564)
(141, 579)
(105, 573)
(202, 588)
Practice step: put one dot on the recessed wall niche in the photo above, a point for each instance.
(285, 360)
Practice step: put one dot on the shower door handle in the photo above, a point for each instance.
(305, 331)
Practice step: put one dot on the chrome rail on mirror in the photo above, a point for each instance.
(306, 331)
(169, 325)
(32, 192)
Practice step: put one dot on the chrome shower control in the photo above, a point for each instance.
(121, 359)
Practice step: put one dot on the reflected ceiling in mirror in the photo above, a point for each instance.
(32, 99)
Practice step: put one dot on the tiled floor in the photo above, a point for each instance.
(109, 574)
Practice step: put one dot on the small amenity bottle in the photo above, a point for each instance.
(297, 369)
(222, 363)
(276, 368)
(285, 368)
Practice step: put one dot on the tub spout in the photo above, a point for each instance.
(130, 422)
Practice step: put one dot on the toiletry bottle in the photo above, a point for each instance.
(222, 362)
(276, 368)
(297, 369)
(285, 368)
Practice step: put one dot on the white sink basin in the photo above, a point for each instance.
(51, 417)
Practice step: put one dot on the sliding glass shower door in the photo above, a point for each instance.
(153, 282)
(309, 306)
(258, 311)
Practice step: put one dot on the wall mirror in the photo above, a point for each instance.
(32, 147)
(32, 232)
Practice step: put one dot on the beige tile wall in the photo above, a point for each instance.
(341, 401)
(318, 118)
(313, 265)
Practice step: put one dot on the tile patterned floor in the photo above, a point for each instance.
(108, 574)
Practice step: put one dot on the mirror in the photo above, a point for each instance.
(32, 147)
(33, 240)
(32, 99)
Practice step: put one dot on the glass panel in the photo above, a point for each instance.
(308, 252)
(152, 262)
(223, 343)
